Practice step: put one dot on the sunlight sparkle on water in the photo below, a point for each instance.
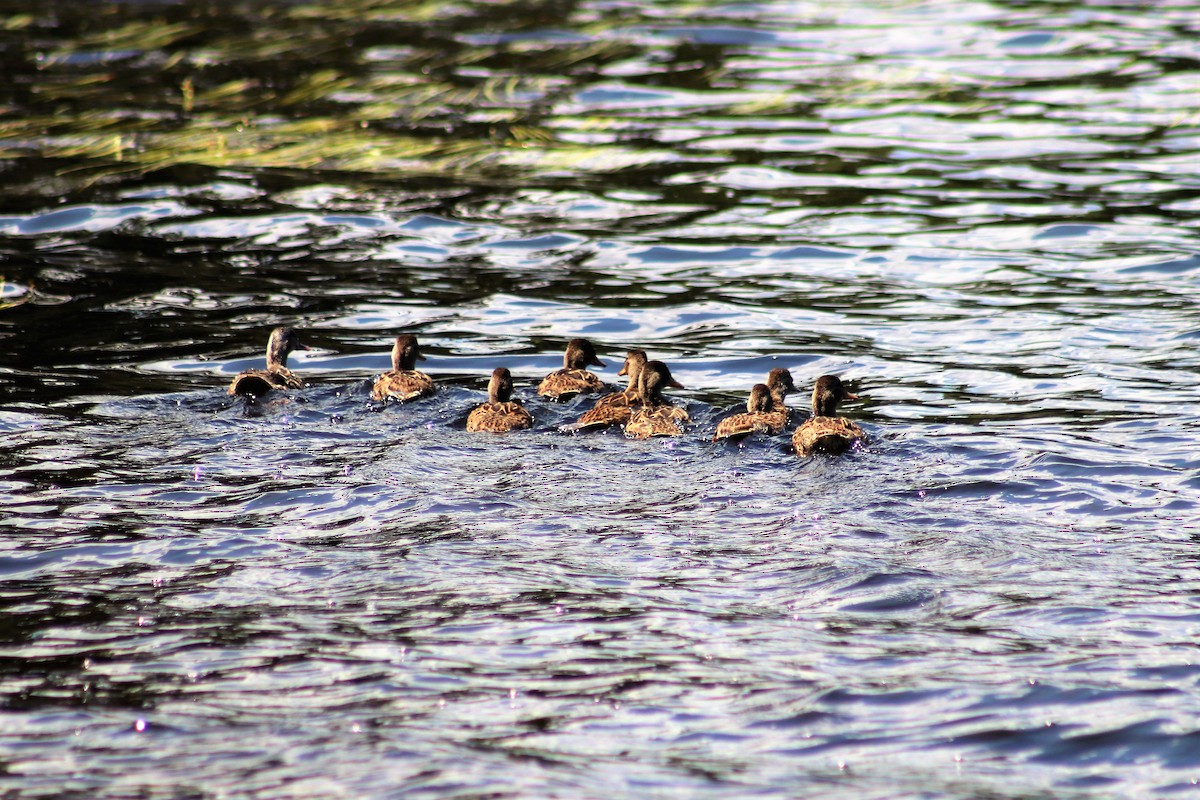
(982, 214)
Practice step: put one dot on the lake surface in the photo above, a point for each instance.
(985, 216)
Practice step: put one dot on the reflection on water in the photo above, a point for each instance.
(983, 215)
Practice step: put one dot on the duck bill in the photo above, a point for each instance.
(675, 384)
(595, 362)
(624, 370)
(848, 396)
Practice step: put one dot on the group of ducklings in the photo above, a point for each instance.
(641, 408)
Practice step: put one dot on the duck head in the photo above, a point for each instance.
(654, 377)
(282, 342)
(405, 354)
(828, 392)
(500, 387)
(580, 355)
(634, 361)
(780, 383)
(760, 399)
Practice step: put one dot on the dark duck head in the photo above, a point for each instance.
(827, 394)
(780, 384)
(760, 400)
(580, 355)
(405, 353)
(280, 344)
(500, 387)
(655, 376)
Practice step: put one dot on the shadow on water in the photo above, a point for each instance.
(983, 216)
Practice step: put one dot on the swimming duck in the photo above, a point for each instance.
(615, 408)
(573, 378)
(765, 409)
(403, 381)
(655, 416)
(759, 417)
(500, 413)
(257, 382)
(823, 432)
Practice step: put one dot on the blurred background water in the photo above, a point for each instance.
(984, 215)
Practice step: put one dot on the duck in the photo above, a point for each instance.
(257, 382)
(759, 417)
(655, 415)
(823, 432)
(403, 381)
(573, 378)
(765, 409)
(500, 413)
(615, 408)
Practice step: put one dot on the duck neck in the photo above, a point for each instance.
(276, 356)
(825, 404)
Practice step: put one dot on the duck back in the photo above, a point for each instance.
(257, 382)
(402, 385)
(564, 384)
(826, 435)
(499, 417)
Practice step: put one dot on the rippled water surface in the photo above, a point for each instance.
(984, 215)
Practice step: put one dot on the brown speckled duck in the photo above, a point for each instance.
(823, 432)
(257, 382)
(759, 417)
(403, 381)
(655, 416)
(574, 377)
(500, 413)
(615, 408)
(765, 410)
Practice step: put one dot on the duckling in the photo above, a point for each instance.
(758, 417)
(823, 432)
(655, 416)
(615, 408)
(573, 378)
(403, 381)
(257, 382)
(500, 413)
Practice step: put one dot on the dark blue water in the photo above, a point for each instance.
(982, 215)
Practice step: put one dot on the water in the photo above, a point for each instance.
(983, 215)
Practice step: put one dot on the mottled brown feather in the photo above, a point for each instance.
(769, 423)
(823, 432)
(655, 416)
(661, 420)
(566, 383)
(615, 408)
(612, 409)
(257, 382)
(500, 413)
(499, 417)
(403, 385)
(826, 435)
